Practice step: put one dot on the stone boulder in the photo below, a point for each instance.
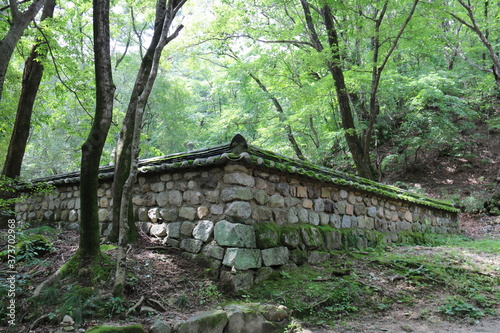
(203, 230)
(252, 318)
(234, 234)
(276, 256)
(205, 322)
(242, 259)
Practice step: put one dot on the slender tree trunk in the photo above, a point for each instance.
(89, 246)
(279, 109)
(165, 13)
(32, 76)
(361, 160)
(20, 22)
(128, 145)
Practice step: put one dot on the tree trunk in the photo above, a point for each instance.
(89, 247)
(32, 76)
(279, 109)
(20, 22)
(165, 13)
(361, 159)
(128, 145)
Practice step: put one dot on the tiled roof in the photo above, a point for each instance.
(240, 150)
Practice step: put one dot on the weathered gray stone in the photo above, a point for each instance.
(236, 193)
(274, 313)
(154, 214)
(275, 256)
(319, 205)
(242, 259)
(263, 274)
(261, 197)
(276, 201)
(169, 241)
(193, 197)
(73, 215)
(371, 211)
(292, 216)
(360, 209)
(239, 209)
(73, 226)
(234, 234)
(203, 230)
(158, 230)
(158, 187)
(317, 257)
(162, 199)
(187, 228)
(142, 214)
(169, 214)
(290, 238)
(174, 230)
(205, 322)
(311, 237)
(175, 198)
(303, 215)
(246, 319)
(188, 213)
(262, 213)
(239, 178)
(346, 221)
(160, 326)
(216, 209)
(332, 239)
(191, 245)
(238, 281)
(313, 218)
(213, 251)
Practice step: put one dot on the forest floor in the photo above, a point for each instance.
(174, 289)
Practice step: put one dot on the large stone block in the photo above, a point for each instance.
(209, 321)
(213, 251)
(188, 213)
(191, 245)
(158, 230)
(236, 193)
(239, 178)
(242, 259)
(234, 234)
(266, 235)
(276, 256)
(203, 230)
(311, 237)
(290, 237)
(174, 230)
(238, 281)
(239, 210)
(244, 319)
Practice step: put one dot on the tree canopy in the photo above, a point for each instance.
(416, 75)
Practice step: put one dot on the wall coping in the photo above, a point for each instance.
(238, 150)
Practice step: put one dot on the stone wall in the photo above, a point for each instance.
(248, 219)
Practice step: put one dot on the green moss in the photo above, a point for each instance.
(100, 271)
(267, 235)
(107, 247)
(124, 329)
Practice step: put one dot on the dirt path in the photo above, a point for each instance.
(401, 325)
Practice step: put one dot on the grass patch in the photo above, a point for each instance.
(370, 281)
